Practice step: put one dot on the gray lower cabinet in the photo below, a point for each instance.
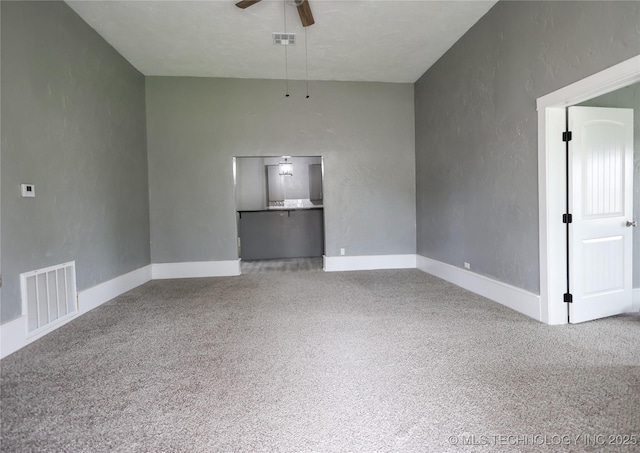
(281, 234)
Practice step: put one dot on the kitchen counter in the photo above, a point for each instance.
(281, 232)
(295, 206)
(280, 208)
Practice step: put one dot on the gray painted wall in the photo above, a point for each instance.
(365, 131)
(73, 124)
(628, 97)
(0, 180)
(476, 127)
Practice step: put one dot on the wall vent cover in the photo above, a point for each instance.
(284, 39)
(48, 296)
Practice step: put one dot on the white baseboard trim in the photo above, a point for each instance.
(13, 334)
(90, 298)
(515, 298)
(160, 271)
(368, 262)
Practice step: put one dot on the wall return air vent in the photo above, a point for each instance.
(48, 296)
(284, 39)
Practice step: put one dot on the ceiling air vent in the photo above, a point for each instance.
(284, 39)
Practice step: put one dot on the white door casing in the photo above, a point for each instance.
(552, 178)
(601, 203)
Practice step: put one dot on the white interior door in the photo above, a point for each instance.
(601, 203)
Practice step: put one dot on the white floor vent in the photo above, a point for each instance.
(48, 296)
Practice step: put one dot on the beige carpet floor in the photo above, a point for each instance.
(307, 361)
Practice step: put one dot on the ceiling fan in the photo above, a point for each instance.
(304, 10)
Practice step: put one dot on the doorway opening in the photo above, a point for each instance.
(551, 179)
(279, 213)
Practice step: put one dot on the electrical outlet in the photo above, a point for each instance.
(341, 252)
(467, 265)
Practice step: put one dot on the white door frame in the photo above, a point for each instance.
(551, 178)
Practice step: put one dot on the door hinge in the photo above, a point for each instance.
(566, 136)
(567, 218)
(568, 297)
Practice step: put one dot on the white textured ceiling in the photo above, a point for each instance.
(365, 40)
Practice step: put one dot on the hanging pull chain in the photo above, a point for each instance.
(286, 54)
(306, 59)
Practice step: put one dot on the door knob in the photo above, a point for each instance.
(632, 223)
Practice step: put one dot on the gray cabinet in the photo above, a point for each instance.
(281, 234)
(315, 182)
(274, 183)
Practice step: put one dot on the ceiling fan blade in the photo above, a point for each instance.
(304, 10)
(246, 3)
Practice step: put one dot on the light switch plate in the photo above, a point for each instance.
(28, 190)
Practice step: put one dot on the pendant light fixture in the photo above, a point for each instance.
(306, 60)
(285, 167)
